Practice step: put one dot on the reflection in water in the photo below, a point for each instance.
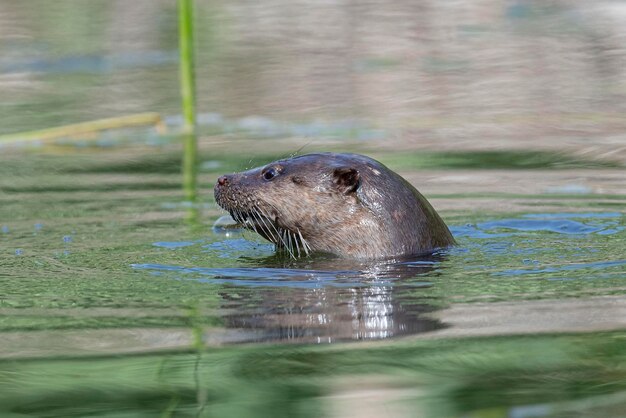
(190, 178)
(319, 300)
(331, 314)
(370, 307)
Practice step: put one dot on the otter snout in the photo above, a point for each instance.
(222, 191)
(223, 180)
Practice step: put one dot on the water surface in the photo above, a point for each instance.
(111, 282)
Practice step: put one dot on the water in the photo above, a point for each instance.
(110, 281)
(430, 73)
(328, 300)
(119, 299)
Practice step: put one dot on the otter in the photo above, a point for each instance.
(348, 205)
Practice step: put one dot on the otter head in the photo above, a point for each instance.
(344, 204)
(302, 204)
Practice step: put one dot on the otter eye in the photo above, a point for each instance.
(270, 173)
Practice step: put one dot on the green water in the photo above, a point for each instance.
(114, 302)
(558, 376)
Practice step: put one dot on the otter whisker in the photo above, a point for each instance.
(265, 219)
(288, 242)
(263, 226)
(254, 220)
(238, 216)
(251, 220)
(287, 239)
(305, 244)
(285, 236)
(295, 240)
(278, 239)
(257, 220)
(251, 224)
(260, 223)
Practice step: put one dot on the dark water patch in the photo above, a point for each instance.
(100, 187)
(490, 160)
(134, 161)
(170, 163)
(162, 163)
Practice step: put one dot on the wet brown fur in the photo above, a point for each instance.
(344, 204)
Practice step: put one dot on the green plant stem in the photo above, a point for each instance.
(187, 81)
(187, 89)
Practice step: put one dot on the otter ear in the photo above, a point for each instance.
(346, 179)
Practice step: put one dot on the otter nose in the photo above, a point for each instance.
(222, 181)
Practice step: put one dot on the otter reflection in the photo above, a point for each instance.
(328, 300)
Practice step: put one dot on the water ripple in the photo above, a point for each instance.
(560, 223)
(283, 277)
(599, 265)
